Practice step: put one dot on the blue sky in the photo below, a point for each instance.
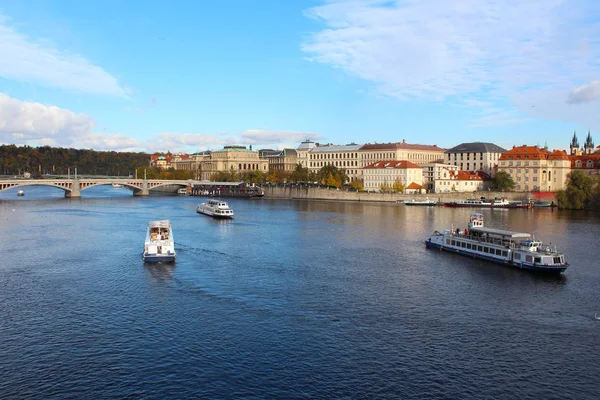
(195, 75)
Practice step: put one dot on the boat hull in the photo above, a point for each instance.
(555, 270)
(459, 205)
(158, 258)
(217, 216)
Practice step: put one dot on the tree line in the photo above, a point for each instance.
(46, 160)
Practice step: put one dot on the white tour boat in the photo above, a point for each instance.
(20, 192)
(521, 250)
(182, 191)
(420, 202)
(215, 208)
(117, 185)
(159, 245)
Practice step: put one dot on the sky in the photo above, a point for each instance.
(188, 76)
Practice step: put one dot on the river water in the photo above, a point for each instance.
(291, 299)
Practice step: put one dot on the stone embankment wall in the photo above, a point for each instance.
(315, 193)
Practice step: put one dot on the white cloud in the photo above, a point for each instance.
(36, 124)
(27, 60)
(441, 49)
(107, 142)
(585, 93)
(25, 121)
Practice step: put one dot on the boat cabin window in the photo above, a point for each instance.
(557, 260)
(498, 252)
(469, 246)
(538, 259)
(462, 244)
(505, 253)
(454, 243)
(517, 256)
(528, 258)
(447, 241)
(479, 248)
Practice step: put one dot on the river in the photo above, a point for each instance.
(291, 299)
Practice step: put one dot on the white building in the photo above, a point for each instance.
(436, 171)
(477, 156)
(416, 153)
(388, 172)
(460, 181)
(302, 152)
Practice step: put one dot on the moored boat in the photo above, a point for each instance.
(160, 244)
(420, 202)
(20, 192)
(518, 249)
(215, 208)
(182, 191)
(117, 185)
(483, 202)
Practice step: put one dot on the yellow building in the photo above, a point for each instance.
(535, 168)
(236, 158)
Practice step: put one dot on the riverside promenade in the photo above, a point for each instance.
(317, 193)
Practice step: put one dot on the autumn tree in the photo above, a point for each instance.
(398, 187)
(357, 185)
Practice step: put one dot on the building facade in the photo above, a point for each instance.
(343, 157)
(236, 158)
(460, 181)
(535, 168)
(436, 171)
(477, 156)
(192, 162)
(419, 154)
(388, 172)
(303, 152)
(283, 160)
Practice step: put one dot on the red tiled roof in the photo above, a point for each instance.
(465, 176)
(584, 158)
(401, 145)
(525, 153)
(393, 164)
(414, 186)
(558, 155)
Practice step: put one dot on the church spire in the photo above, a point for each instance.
(589, 144)
(574, 144)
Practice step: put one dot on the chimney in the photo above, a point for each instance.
(403, 141)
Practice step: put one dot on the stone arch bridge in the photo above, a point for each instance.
(73, 187)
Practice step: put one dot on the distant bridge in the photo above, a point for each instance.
(73, 187)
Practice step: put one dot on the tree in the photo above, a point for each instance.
(300, 174)
(384, 187)
(339, 176)
(357, 185)
(581, 192)
(398, 187)
(503, 181)
(254, 176)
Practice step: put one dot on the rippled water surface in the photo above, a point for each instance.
(291, 299)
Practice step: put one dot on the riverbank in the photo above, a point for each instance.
(316, 193)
